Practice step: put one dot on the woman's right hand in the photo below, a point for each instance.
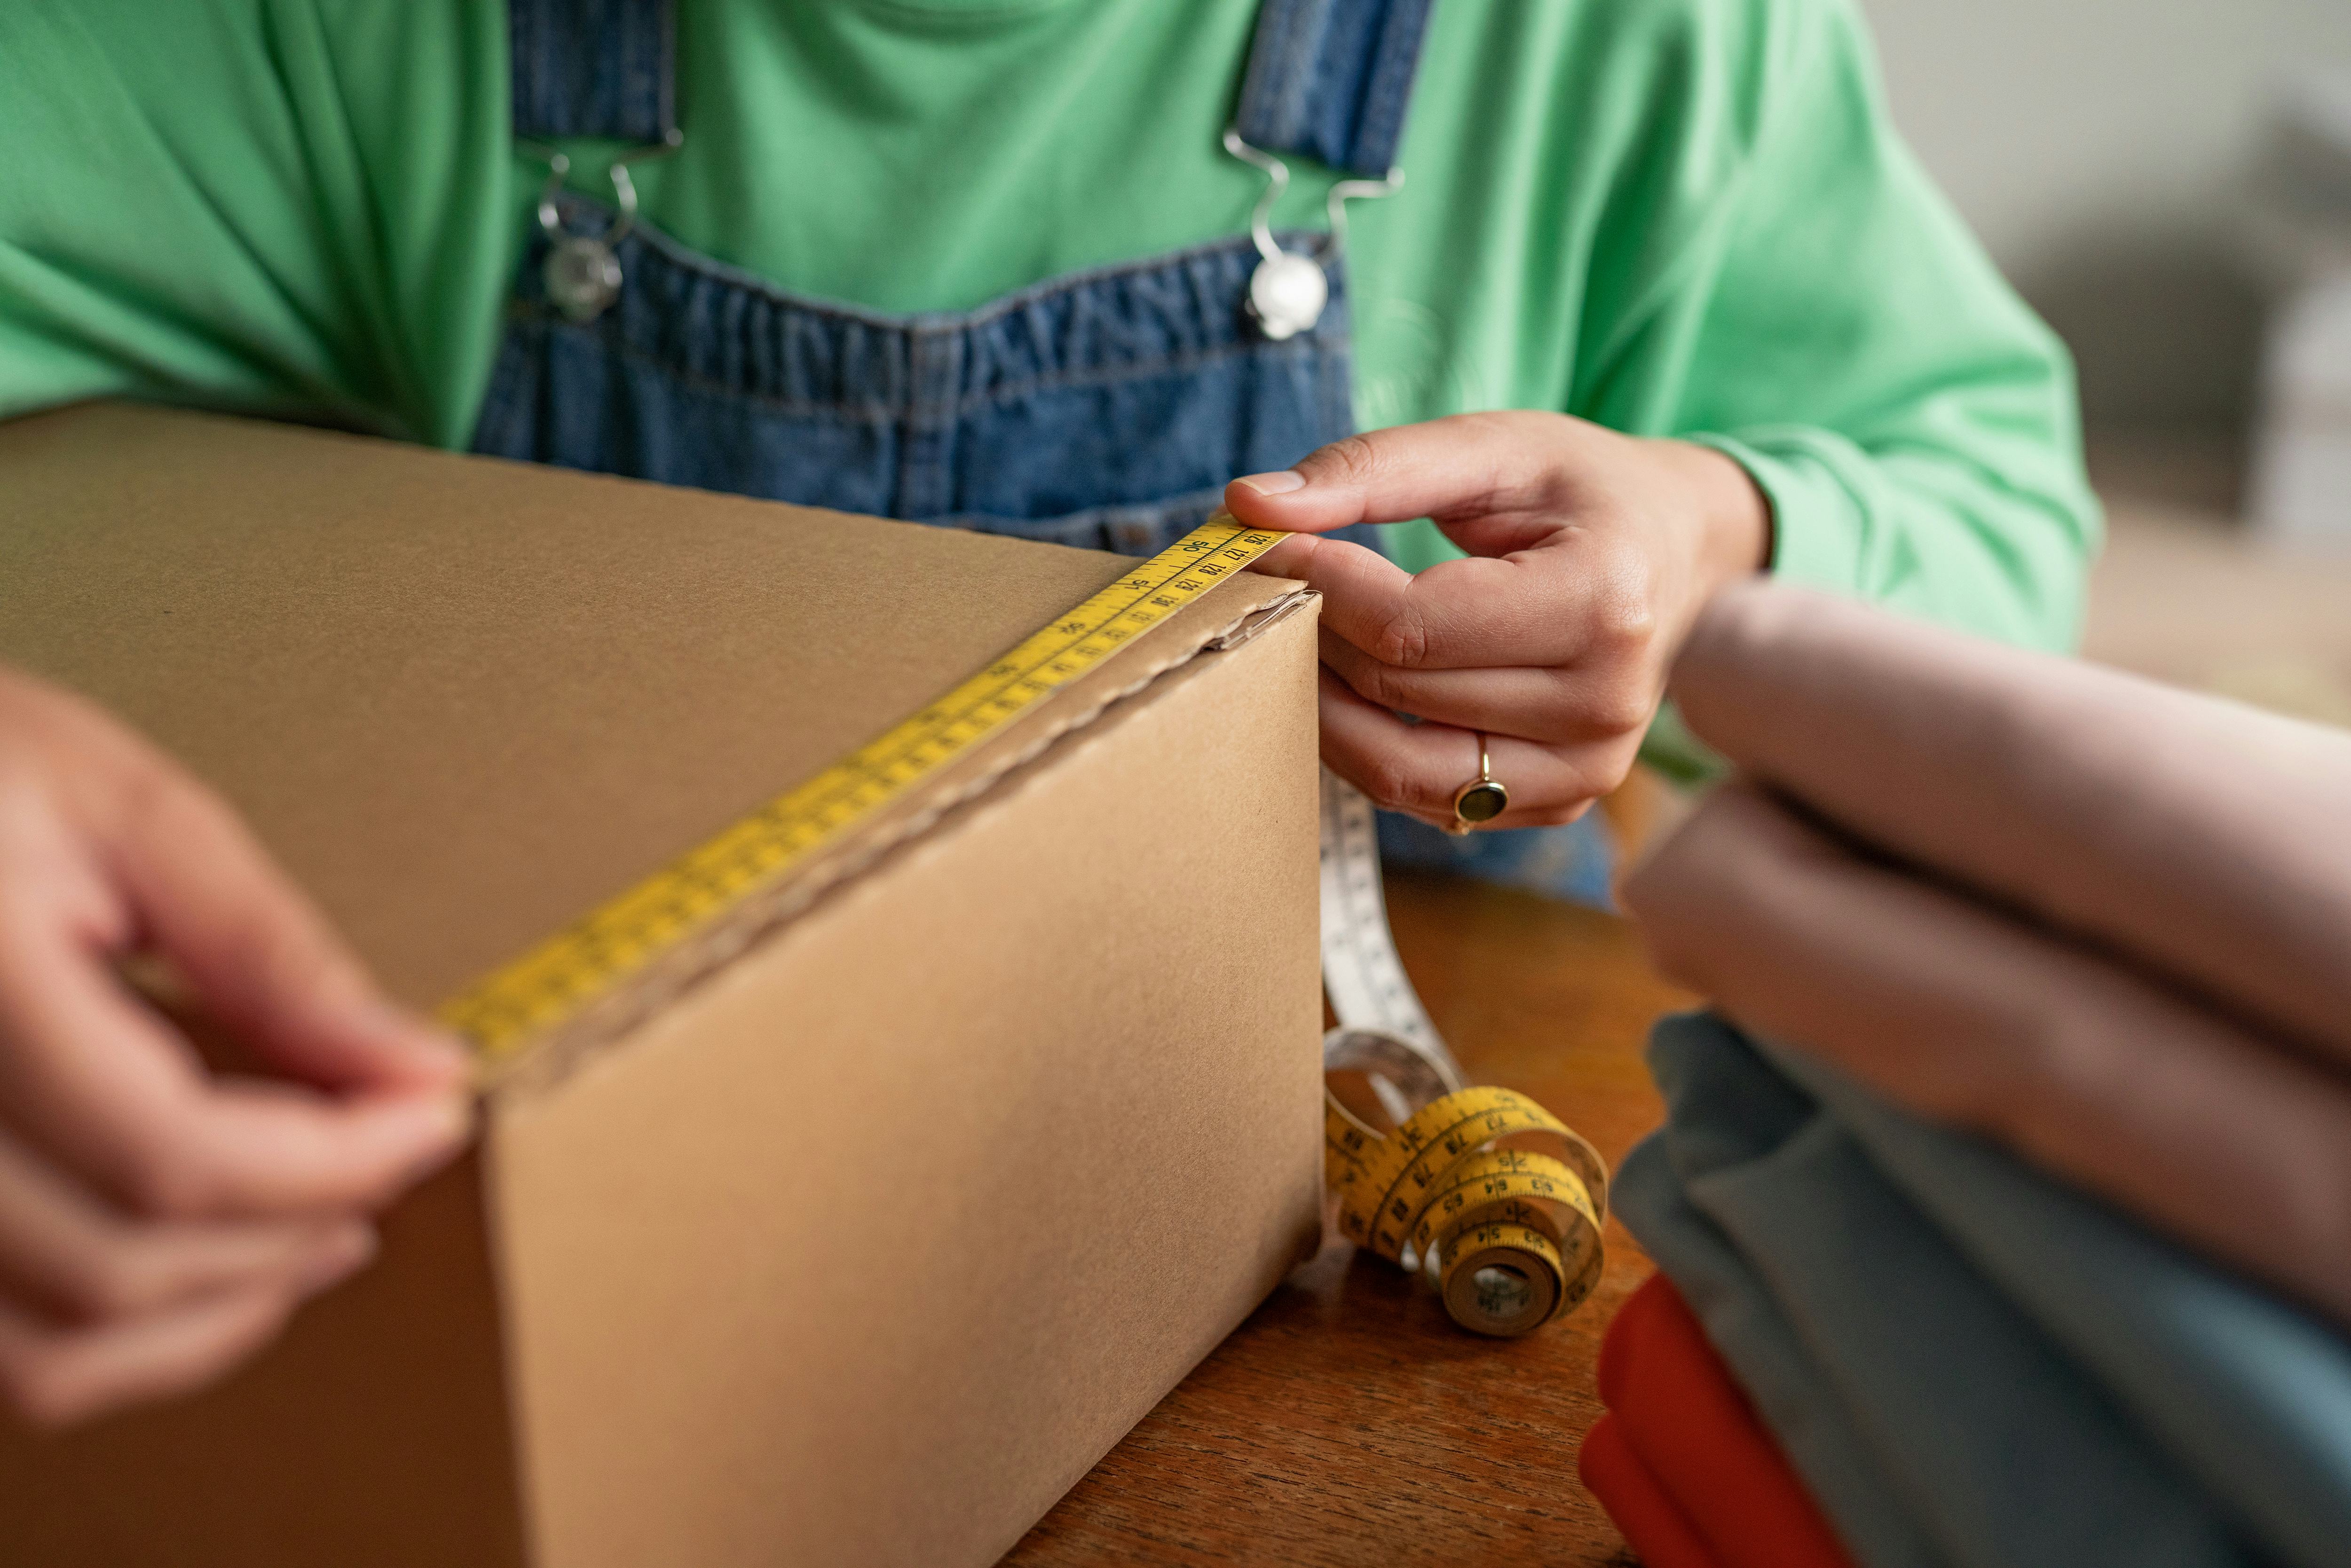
(159, 1218)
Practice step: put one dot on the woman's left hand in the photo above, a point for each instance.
(1590, 554)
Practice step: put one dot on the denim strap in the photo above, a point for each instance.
(593, 67)
(1330, 80)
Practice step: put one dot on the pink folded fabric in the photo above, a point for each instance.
(1971, 1017)
(2205, 838)
(2104, 922)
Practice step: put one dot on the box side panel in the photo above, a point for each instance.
(374, 1435)
(869, 1248)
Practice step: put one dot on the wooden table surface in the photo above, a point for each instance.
(1349, 1422)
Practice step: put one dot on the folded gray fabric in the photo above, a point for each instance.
(2026, 1376)
(2250, 1393)
(1816, 1429)
(2205, 839)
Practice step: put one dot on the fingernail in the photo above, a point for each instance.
(419, 1038)
(438, 1123)
(1280, 483)
(446, 1050)
(346, 1255)
(442, 1140)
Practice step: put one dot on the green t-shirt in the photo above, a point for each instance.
(1671, 216)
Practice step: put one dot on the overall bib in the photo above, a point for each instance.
(1104, 409)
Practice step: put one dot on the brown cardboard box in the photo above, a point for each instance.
(861, 1249)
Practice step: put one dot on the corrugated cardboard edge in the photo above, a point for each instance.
(760, 917)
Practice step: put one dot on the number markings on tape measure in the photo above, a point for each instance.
(1458, 1187)
(592, 958)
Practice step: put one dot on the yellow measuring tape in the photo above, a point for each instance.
(1485, 1190)
(593, 957)
(1482, 1186)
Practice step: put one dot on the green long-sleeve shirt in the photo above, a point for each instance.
(1671, 216)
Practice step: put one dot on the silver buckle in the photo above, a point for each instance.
(582, 271)
(1288, 289)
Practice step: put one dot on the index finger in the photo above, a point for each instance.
(260, 957)
(1492, 473)
(98, 1082)
(1473, 614)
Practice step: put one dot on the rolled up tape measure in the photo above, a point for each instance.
(1499, 1202)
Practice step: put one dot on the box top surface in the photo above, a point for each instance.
(464, 700)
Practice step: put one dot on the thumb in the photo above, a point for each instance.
(258, 956)
(1468, 468)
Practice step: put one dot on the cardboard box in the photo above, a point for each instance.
(861, 1249)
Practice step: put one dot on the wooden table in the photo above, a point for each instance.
(1349, 1422)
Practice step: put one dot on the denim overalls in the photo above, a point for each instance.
(1104, 409)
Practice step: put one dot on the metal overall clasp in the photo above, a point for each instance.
(1288, 289)
(583, 271)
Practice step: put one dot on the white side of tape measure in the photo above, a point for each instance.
(1361, 974)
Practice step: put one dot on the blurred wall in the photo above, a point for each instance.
(2101, 148)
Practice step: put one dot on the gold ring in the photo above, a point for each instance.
(1481, 800)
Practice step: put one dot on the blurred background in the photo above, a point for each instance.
(2169, 182)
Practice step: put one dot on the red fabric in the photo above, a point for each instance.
(1681, 1425)
(1634, 1500)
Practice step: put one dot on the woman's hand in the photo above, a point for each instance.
(158, 1220)
(1590, 554)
